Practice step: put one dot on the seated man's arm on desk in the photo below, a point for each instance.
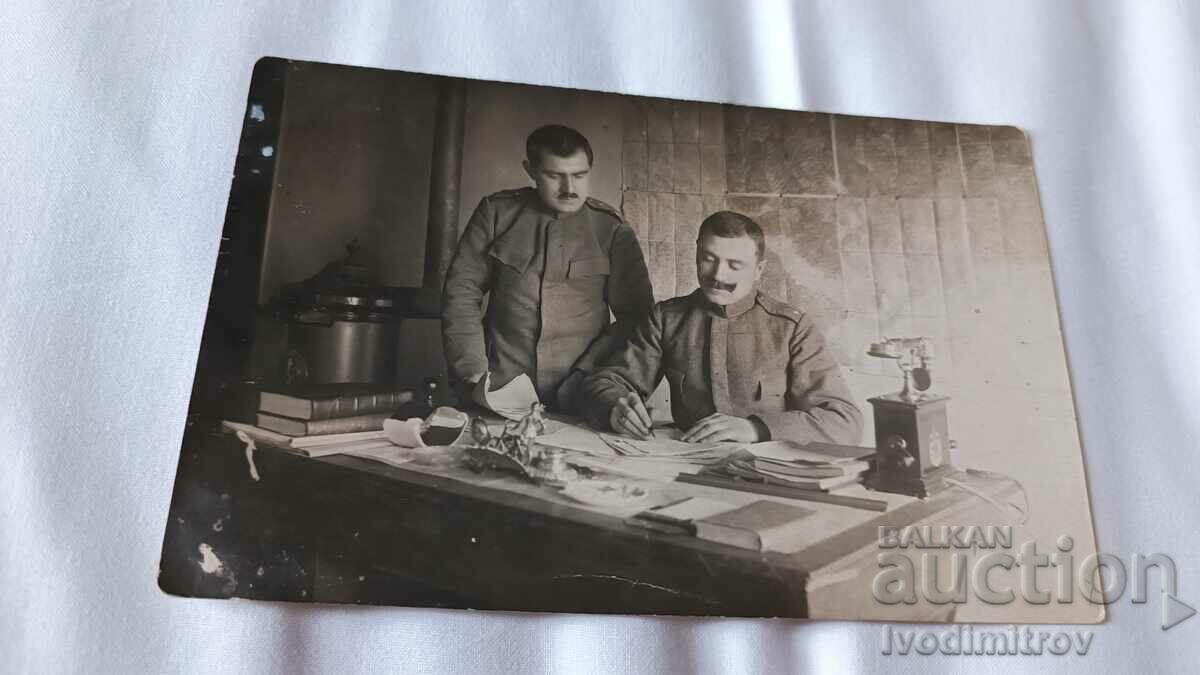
(636, 367)
(819, 405)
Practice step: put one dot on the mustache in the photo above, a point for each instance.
(567, 195)
(717, 285)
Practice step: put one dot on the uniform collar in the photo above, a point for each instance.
(726, 311)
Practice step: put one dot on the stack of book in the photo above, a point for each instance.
(813, 472)
(322, 410)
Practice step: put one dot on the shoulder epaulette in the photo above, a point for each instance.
(779, 308)
(515, 193)
(677, 303)
(601, 206)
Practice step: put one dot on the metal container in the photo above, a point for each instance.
(348, 335)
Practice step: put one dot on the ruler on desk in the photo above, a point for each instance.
(784, 491)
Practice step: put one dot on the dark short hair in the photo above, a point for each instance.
(557, 140)
(730, 224)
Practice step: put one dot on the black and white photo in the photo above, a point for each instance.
(499, 346)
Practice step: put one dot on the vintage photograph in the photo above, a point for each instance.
(499, 346)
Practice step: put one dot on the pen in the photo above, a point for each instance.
(646, 411)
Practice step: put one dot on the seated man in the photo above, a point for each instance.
(741, 365)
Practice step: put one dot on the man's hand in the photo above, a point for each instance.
(479, 388)
(722, 427)
(464, 388)
(630, 416)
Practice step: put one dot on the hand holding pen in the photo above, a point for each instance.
(630, 416)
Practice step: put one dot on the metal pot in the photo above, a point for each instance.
(350, 335)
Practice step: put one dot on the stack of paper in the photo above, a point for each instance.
(666, 449)
(313, 446)
(812, 474)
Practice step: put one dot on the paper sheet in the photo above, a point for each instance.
(286, 442)
(388, 454)
(348, 448)
(577, 438)
(405, 433)
(511, 401)
(665, 447)
(590, 448)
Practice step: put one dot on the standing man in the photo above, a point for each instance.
(741, 366)
(553, 263)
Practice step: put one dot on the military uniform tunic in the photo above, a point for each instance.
(550, 283)
(758, 358)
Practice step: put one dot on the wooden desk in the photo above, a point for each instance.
(341, 528)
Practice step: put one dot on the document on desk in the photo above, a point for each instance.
(512, 401)
(389, 454)
(660, 459)
(665, 446)
(667, 449)
(577, 438)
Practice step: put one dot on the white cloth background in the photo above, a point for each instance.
(118, 126)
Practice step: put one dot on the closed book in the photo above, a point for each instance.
(330, 401)
(760, 526)
(339, 425)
